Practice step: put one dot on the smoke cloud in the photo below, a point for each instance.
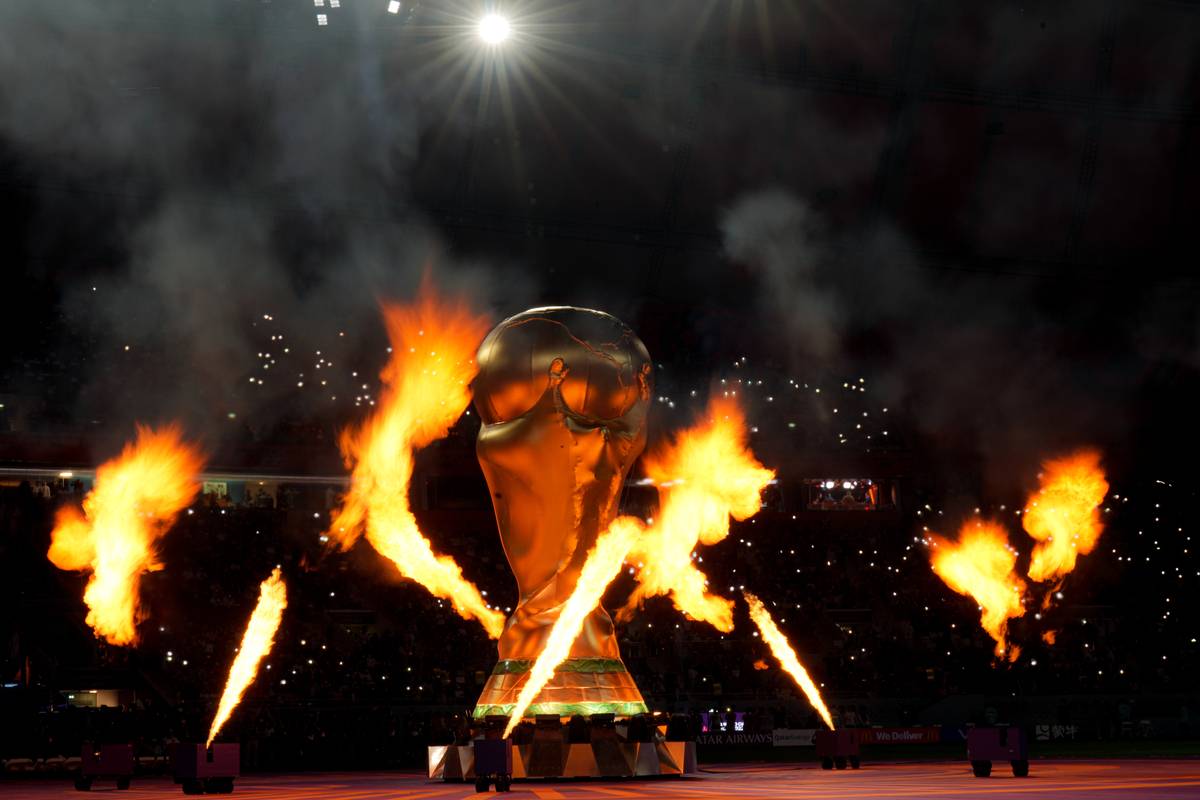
(239, 175)
(251, 175)
(1011, 366)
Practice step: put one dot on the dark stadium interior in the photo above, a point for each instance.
(926, 244)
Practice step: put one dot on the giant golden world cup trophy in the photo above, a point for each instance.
(563, 394)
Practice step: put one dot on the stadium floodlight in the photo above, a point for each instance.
(494, 29)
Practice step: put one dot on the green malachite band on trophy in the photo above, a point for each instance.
(585, 686)
(564, 709)
(516, 666)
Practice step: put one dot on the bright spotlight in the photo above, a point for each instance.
(493, 29)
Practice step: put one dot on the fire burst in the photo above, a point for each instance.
(133, 504)
(786, 656)
(256, 643)
(426, 389)
(602, 566)
(981, 565)
(1062, 515)
(705, 476)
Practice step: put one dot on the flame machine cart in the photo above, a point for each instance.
(493, 764)
(211, 770)
(836, 748)
(985, 745)
(106, 761)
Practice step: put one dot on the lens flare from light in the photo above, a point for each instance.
(494, 29)
(1064, 515)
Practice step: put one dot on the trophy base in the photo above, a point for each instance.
(559, 759)
(583, 686)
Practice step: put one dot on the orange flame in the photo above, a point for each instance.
(256, 643)
(601, 567)
(981, 565)
(1062, 515)
(786, 656)
(705, 476)
(426, 389)
(135, 500)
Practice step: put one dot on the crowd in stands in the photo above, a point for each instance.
(368, 668)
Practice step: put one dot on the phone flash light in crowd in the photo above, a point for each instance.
(493, 29)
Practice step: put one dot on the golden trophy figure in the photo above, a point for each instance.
(563, 394)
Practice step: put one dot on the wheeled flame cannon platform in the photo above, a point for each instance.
(838, 748)
(206, 770)
(1004, 743)
(106, 761)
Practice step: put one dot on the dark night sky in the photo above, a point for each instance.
(986, 208)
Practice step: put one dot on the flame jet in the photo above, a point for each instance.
(981, 565)
(425, 390)
(256, 643)
(725, 480)
(786, 656)
(133, 504)
(705, 476)
(602, 566)
(1063, 516)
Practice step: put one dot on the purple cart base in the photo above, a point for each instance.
(108, 762)
(493, 764)
(838, 748)
(985, 745)
(211, 770)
